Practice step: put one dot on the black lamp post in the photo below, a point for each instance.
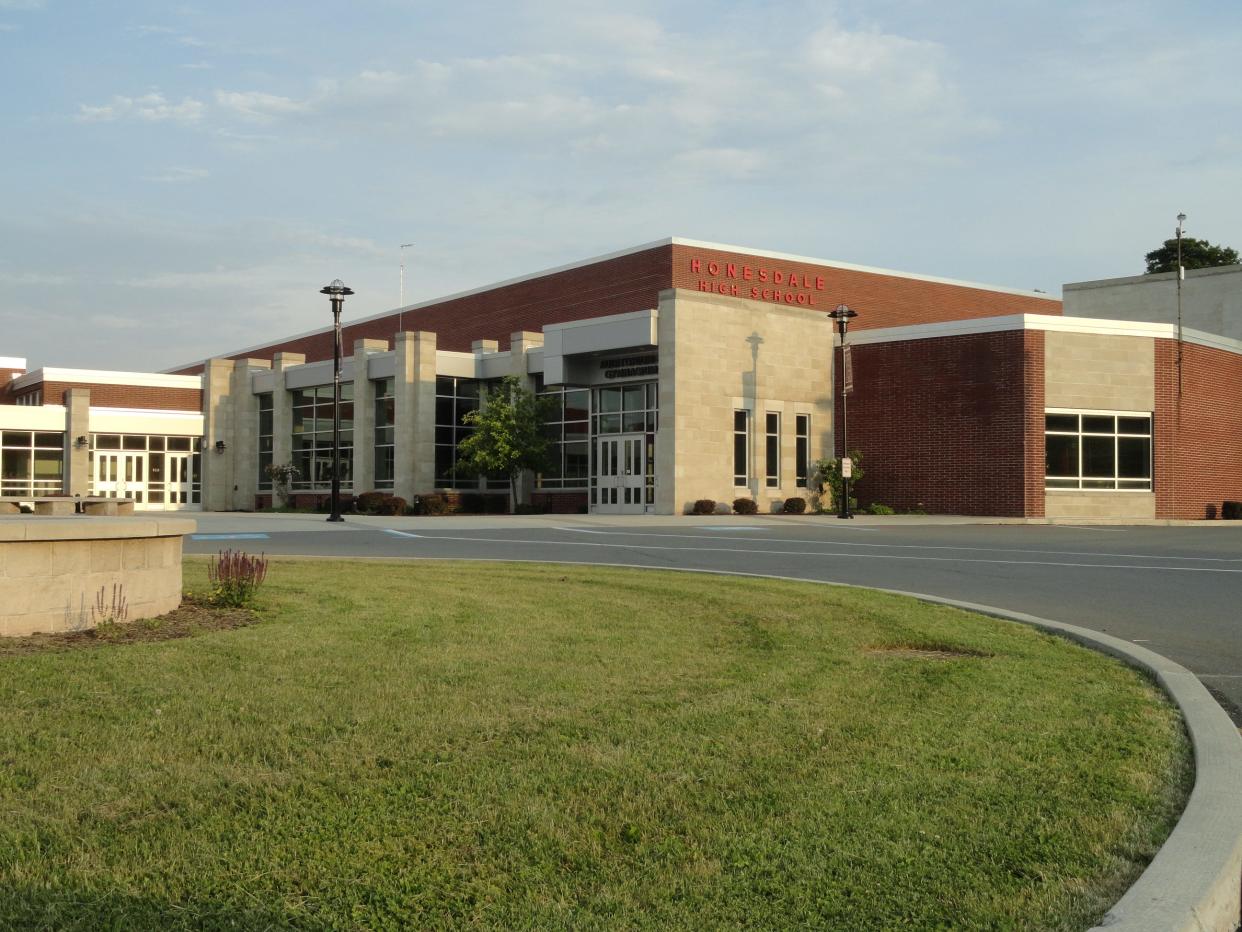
(842, 316)
(336, 292)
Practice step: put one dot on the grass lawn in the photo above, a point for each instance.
(403, 745)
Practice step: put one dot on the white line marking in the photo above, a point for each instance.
(400, 533)
(856, 556)
(842, 543)
(579, 530)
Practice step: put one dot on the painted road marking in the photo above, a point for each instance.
(400, 533)
(856, 556)
(229, 537)
(842, 543)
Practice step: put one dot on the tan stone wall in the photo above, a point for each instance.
(1098, 371)
(52, 570)
(1120, 505)
(719, 354)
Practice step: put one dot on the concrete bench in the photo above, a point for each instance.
(59, 505)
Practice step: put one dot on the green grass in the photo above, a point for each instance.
(522, 746)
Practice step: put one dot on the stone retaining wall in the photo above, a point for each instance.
(53, 569)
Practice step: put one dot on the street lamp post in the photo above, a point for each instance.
(336, 292)
(1181, 273)
(842, 316)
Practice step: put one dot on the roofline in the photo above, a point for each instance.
(107, 377)
(1153, 277)
(1044, 322)
(12, 362)
(629, 251)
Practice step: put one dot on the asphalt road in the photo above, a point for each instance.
(1176, 590)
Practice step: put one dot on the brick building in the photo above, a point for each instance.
(685, 370)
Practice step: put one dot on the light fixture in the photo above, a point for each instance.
(337, 292)
(221, 446)
(80, 442)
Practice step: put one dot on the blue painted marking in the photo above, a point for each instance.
(229, 537)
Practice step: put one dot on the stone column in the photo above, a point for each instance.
(218, 416)
(364, 415)
(282, 411)
(77, 479)
(414, 390)
(245, 441)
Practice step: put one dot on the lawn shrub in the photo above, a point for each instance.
(393, 505)
(745, 506)
(235, 576)
(431, 504)
(704, 506)
(877, 509)
(795, 505)
(325, 503)
(369, 503)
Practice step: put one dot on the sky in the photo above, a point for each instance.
(180, 181)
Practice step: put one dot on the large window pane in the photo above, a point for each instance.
(1134, 458)
(1061, 455)
(1099, 457)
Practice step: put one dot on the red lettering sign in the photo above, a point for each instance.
(791, 280)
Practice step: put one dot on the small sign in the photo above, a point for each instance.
(847, 468)
(847, 370)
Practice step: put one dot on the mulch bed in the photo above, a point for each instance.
(194, 616)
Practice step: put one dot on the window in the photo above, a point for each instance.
(626, 409)
(568, 428)
(741, 447)
(385, 434)
(31, 462)
(772, 449)
(802, 456)
(311, 448)
(265, 439)
(152, 469)
(30, 399)
(455, 398)
(1097, 450)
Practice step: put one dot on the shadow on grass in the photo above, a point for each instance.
(63, 908)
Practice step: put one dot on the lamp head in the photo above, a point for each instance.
(338, 289)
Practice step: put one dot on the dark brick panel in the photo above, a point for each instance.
(946, 425)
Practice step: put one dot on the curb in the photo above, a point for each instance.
(1194, 883)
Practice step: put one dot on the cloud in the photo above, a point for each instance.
(152, 108)
(32, 278)
(8, 27)
(177, 175)
(259, 107)
(21, 4)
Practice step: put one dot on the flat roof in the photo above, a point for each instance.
(631, 250)
(107, 377)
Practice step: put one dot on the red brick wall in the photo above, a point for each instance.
(880, 300)
(129, 396)
(952, 425)
(615, 286)
(1198, 455)
(633, 283)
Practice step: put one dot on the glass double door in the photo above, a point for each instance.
(153, 480)
(622, 463)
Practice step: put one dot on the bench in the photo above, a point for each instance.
(61, 505)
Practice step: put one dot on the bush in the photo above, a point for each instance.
(235, 576)
(370, 503)
(1231, 511)
(704, 506)
(432, 504)
(794, 506)
(393, 505)
(876, 508)
(325, 504)
(745, 506)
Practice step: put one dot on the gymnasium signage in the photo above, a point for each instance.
(757, 282)
(628, 367)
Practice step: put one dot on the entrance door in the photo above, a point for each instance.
(177, 485)
(121, 475)
(620, 473)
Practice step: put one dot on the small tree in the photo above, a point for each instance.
(826, 474)
(1196, 254)
(509, 434)
(282, 477)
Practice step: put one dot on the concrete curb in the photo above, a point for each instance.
(1194, 883)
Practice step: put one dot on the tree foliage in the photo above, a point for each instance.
(509, 435)
(1196, 254)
